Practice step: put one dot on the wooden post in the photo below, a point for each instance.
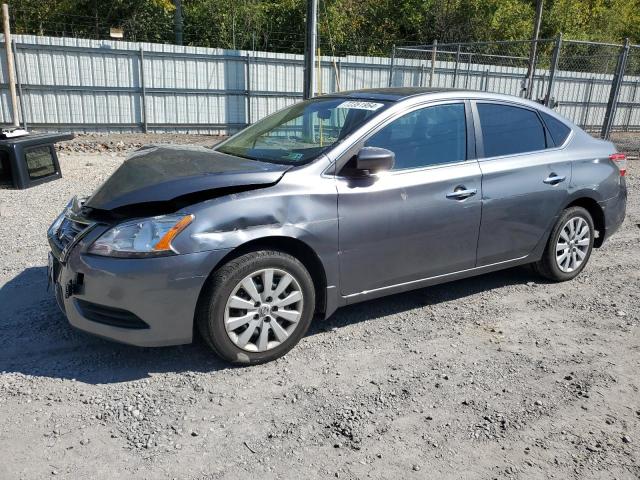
(10, 65)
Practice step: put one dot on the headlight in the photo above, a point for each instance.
(141, 238)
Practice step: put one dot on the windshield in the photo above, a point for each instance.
(303, 131)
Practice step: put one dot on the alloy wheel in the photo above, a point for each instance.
(263, 310)
(573, 244)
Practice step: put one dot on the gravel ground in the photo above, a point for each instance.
(499, 376)
(125, 142)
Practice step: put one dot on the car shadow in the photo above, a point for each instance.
(424, 297)
(37, 339)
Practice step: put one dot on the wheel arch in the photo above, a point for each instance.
(294, 247)
(596, 212)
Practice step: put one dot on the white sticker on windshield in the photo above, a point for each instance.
(359, 105)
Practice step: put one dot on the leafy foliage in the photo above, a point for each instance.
(345, 26)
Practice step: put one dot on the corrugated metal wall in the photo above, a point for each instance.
(99, 85)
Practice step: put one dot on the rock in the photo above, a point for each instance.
(626, 439)
(416, 468)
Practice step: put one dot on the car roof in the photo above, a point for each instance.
(400, 94)
(394, 93)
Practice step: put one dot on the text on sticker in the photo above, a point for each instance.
(360, 105)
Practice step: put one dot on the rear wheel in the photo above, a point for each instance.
(569, 246)
(257, 307)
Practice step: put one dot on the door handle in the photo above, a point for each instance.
(461, 192)
(554, 179)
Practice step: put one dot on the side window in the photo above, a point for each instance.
(429, 136)
(39, 162)
(508, 130)
(558, 130)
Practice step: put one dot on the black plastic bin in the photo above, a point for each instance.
(31, 159)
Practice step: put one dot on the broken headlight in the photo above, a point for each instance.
(141, 238)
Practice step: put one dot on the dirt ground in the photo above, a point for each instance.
(499, 376)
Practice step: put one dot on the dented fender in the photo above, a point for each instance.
(302, 206)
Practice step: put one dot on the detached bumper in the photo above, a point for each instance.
(145, 302)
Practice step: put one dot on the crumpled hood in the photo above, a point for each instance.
(160, 173)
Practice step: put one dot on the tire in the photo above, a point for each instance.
(562, 268)
(225, 312)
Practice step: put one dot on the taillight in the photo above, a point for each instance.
(620, 159)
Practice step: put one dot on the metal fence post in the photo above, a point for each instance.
(552, 72)
(433, 62)
(466, 79)
(391, 65)
(247, 84)
(585, 117)
(143, 93)
(455, 70)
(485, 80)
(612, 104)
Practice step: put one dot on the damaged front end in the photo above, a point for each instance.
(129, 262)
(150, 187)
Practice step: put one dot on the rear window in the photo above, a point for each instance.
(508, 130)
(558, 130)
(39, 162)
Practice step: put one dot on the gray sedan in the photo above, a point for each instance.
(329, 202)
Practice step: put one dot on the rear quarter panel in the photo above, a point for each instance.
(593, 174)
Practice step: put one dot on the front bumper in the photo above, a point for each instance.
(160, 292)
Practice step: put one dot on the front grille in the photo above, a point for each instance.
(115, 317)
(68, 230)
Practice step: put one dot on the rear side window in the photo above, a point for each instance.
(429, 136)
(508, 130)
(39, 162)
(558, 130)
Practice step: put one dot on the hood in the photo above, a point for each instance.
(160, 174)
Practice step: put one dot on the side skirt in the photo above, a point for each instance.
(426, 282)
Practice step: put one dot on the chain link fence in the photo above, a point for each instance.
(91, 85)
(593, 84)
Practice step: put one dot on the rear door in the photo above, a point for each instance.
(525, 180)
(422, 218)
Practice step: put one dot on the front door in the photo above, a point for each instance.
(419, 220)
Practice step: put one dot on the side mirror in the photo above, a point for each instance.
(371, 160)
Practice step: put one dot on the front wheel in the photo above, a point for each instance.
(257, 307)
(569, 246)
